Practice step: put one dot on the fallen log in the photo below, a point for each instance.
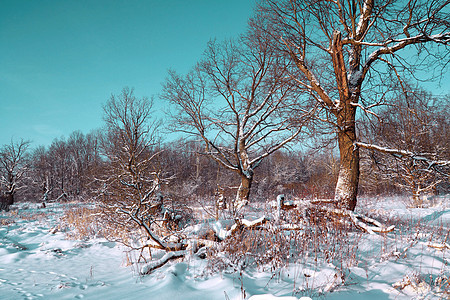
(177, 250)
(362, 222)
(330, 209)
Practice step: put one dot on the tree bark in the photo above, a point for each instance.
(243, 192)
(347, 184)
(10, 198)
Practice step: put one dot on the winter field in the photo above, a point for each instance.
(41, 258)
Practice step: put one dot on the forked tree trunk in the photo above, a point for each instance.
(347, 184)
(348, 84)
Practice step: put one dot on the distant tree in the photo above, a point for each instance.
(41, 173)
(237, 100)
(348, 54)
(196, 174)
(13, 167)
(84, 159)
(412, 143)
(66, 169)
(60, 163)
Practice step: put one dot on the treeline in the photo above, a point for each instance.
(70, 168)
(250, 98)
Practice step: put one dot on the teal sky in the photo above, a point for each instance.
(61, 60)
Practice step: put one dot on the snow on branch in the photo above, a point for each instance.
(404, 153)
(365, 109)
(147, 269)
(439, 246)
(367, 224)
(241, 223)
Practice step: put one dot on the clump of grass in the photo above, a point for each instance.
(84, 223)
(6, 221)
(81, 223)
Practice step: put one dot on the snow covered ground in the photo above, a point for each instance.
(38, 263)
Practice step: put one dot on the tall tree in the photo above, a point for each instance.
(237, 100)
(346, 51)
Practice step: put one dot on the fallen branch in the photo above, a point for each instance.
(240, 223)
(166, 246)
(288, 227)
(364, 223)
(147, 269)
(439, 246)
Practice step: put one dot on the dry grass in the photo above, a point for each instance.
(325, 241)
(321, 241)
(81, 223)
(85, 223)
(6, 221)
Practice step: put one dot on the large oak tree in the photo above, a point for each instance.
(347, 55)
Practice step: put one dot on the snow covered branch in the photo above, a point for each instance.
(147, 269)
(404, 153)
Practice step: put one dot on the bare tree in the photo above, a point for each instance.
(60, 163)
(237, 100)
(13, 165)
(131, 183)
(65, 169)
(346, 52)
(41, 173)
(418, 124)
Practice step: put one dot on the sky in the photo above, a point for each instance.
(61, 60)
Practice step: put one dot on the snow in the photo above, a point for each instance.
(272, 297)
(39, 262)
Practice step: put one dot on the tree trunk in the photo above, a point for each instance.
(347, 184)
(10, 198)
(348, 84)
(243, 192)
(246, 173)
